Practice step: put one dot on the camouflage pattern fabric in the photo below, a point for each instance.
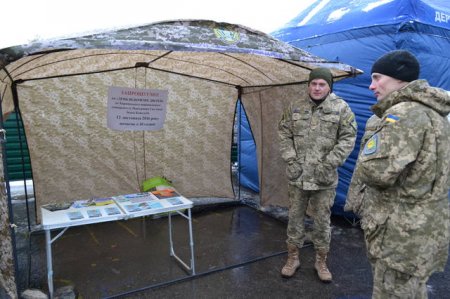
(174, 35)
(314, 141)
(405, 166)
(355, 193)
(8, 288)
(392, 284)
(320, 203)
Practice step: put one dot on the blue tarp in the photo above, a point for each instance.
(357, 33)
(247, 159)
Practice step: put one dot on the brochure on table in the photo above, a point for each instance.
(114, 208)
(149, 203)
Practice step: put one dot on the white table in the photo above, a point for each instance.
(128, 206)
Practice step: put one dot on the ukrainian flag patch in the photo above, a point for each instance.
(371, 145)
(392, 118)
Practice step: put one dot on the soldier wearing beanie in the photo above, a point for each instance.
(400, 64)
(401, 178)
(316, 135)
(321, 73)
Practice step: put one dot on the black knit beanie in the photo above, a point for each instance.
(321, 73)
(399, 64)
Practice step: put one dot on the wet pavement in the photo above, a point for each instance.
(239, 252)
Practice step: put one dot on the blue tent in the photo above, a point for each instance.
(247, 161)
(357, 33)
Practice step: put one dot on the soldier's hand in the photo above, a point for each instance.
(324, 173)
(293, 170)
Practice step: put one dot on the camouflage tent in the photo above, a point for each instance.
(61, 90)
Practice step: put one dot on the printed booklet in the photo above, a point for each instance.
(75, 215)
(135, 197)
(155, 205)
(165, 193)
(94, 213)
(132, 208)
(175, 201)
(112, 211)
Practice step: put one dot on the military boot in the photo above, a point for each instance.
(321, 266)
(292, 263)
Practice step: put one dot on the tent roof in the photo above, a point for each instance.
(328, 17)
(220, 52)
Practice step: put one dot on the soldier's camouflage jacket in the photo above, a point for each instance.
(315, 140)
(355, 194)
(403, 174)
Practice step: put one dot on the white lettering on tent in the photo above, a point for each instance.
(132, 109)
(441, 17)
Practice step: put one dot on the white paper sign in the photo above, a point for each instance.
(133, 109)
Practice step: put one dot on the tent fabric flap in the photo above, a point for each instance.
(264, 107)
(75, 155)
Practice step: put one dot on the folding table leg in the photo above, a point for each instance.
(48, 249)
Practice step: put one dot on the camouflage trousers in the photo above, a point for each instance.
(320, 202)
(392, 284)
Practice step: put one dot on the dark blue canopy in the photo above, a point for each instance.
(357, 33)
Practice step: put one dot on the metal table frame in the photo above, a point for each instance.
(49, 224)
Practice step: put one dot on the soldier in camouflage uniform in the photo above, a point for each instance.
(316, 136)
(401, 181)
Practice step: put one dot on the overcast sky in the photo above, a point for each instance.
(26, 20)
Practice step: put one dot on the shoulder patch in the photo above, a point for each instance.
(371, 145)
(352, 121)
(392, 118)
